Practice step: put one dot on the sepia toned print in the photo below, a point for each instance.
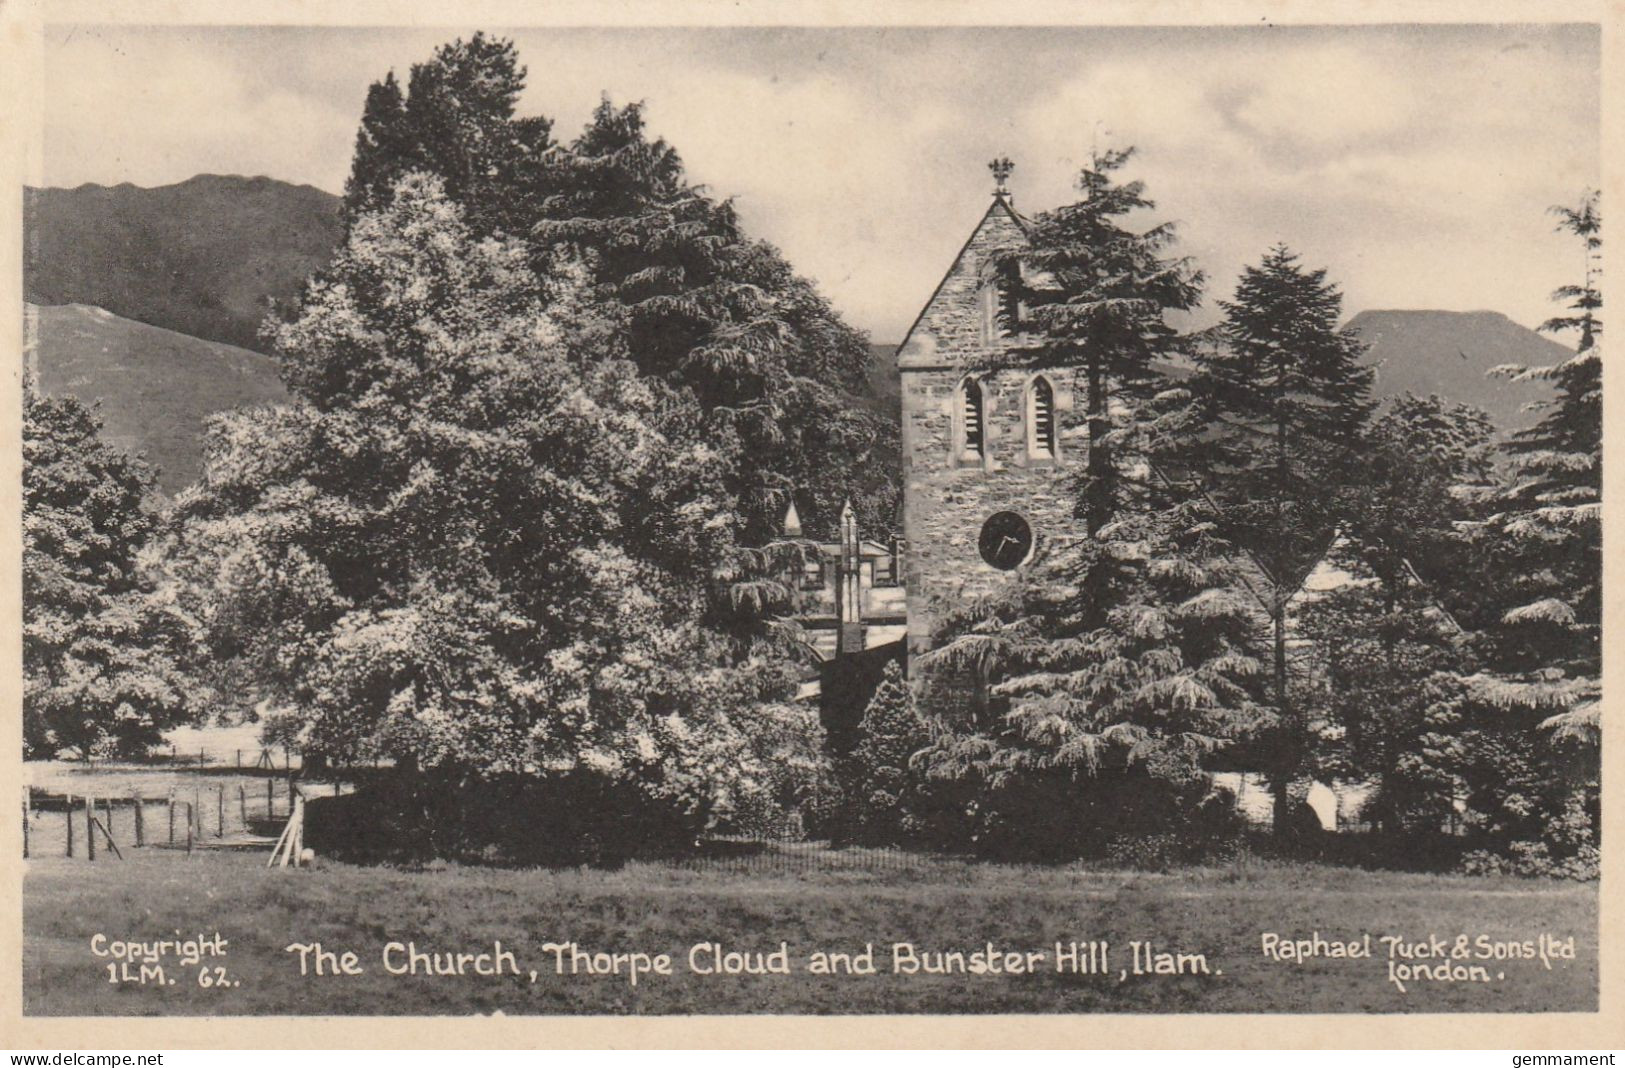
(818, 521)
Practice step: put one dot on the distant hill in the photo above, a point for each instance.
(155, 386)
(1451, 353)
(208, 256)
(204, 257)
(1420, 352)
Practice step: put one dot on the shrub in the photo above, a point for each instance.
(566, 818)
(788, 789)
(1156, 852)
(1127, 814)
(881, 793)
(1534, 859)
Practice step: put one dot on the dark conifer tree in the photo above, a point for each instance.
(1535, 714)
(1282, 400)
(1549, 523)
(456, 121)
(877, 782)
(382, 153)
(1086, 290)
(676, 259)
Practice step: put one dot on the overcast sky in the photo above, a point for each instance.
(1417, 163)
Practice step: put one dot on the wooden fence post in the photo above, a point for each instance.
(107, 807)
(193, 818)
(269, 814)
(140, 829)
(242, 805)
(190, 816)
(25, 828)
(239, 758)
(90, 828)
(69, 810)
(287, 760)
(220, 811)
(169, 807)
(107, 835)
(296, 841)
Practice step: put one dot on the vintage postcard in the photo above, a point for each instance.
(573, 524)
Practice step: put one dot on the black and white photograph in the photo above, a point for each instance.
(689, 519)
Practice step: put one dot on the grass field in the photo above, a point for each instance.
(819, 899)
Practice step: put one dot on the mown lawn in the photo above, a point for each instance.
(817, 900)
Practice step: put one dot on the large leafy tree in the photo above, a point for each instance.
(1085, 289)
(478, 543)
(694, 301)
(99, 674)
(1116, 671)
(1282, 400)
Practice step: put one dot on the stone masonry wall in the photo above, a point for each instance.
(946, 500)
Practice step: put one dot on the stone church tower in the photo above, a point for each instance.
(985, 451)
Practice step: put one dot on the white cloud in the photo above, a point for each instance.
(1422, 184)
(153, 111)
(824, 173)
(1416, 164)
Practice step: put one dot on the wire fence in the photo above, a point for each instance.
(263, 758)
(105, 819)
(206, 797)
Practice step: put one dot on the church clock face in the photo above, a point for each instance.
(1006, 541)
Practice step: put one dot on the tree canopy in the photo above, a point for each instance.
(476, 543)
(687, 295)
(1084, 289)
(1279, 400)
(99, 671)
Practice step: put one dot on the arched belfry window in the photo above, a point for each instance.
(973, 424)
(1001, 309)
(987, 299)
(1041, 418)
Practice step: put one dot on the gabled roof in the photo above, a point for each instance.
(1000, 201)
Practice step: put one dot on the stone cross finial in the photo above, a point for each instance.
(1001, 169)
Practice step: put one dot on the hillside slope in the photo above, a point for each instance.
(204, 257)
(1451, 353)
(155, 386)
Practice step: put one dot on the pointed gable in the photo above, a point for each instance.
(949, 330)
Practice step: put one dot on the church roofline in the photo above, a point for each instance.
(866, 548)
(1000, 200)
